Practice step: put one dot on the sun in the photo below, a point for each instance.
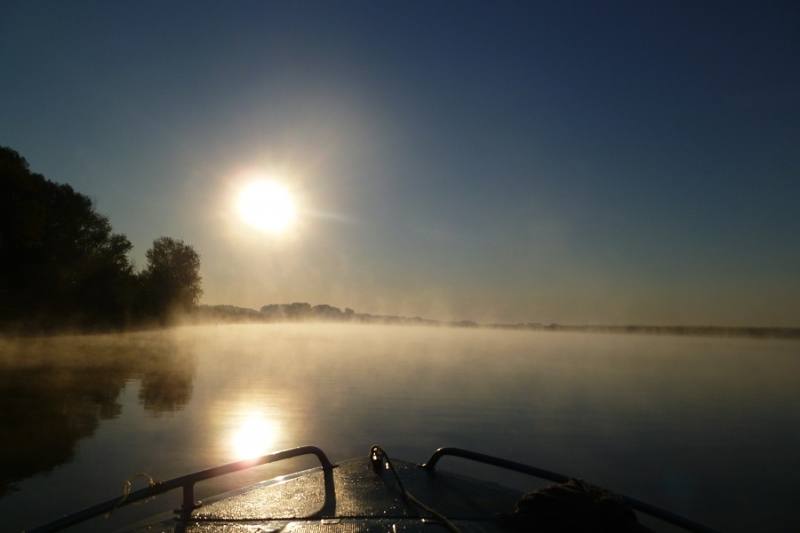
(267, 206)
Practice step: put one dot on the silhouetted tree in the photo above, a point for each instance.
(22, 216)
(60, 262)
(61, 265)
(171, 282)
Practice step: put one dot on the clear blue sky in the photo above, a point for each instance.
(571, 162)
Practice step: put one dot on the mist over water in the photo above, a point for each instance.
(707, 427)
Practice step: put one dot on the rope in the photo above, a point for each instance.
(126, 490)
(378, 456)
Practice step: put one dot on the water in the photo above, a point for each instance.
(707, 427)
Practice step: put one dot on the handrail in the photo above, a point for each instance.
(185, 482)
(652, 510)
(188, 481)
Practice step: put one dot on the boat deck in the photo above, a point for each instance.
(351, 498)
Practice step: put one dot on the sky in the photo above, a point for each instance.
(571, 162)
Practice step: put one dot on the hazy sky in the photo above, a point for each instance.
(571, 162)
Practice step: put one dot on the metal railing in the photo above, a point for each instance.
(652, 510)
(186, 483)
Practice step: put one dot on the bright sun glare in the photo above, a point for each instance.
(254, 437)
(267, 206)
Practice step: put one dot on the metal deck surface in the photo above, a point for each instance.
(352, 499)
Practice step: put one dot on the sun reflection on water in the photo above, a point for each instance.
(256, 435)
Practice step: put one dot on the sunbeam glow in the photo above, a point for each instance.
(267, 206)
(255, 436)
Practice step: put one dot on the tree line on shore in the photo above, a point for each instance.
(305, 312)
(301, 312)
(63, 267)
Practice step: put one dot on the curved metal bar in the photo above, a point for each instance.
(186, 482)
(430, 465)
(652, 510)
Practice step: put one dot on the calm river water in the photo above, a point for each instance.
(707, 427)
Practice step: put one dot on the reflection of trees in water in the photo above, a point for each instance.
(54, 392)
(167, 389)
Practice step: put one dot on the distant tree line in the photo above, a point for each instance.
(304, 312)
(62, 266)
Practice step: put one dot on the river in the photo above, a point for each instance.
(706, 427)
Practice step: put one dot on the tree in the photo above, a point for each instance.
(171, 282)
(61, 265)
(22, 214)
(60, 262)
